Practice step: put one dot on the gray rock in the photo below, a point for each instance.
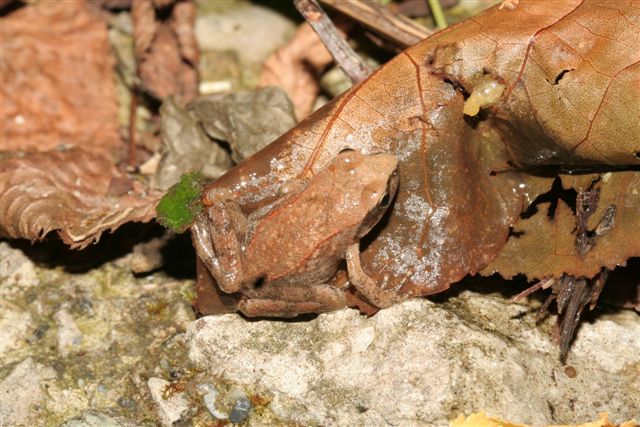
(240, 410)
(22, 395)
(169, 410)
(16, 269)
(69, 336)
(421, 363)
(238, 27)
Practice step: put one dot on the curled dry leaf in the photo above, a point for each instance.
(570, 97)
(295, 68)
(166, 50)
(75, 192)
(57, 82)
(58, 91)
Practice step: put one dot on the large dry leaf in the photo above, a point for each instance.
(58, 92)
(57, 82)
(571, 96)
(77, 193)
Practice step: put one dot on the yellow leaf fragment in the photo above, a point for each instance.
(481, 420)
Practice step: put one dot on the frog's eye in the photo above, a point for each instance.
(385, 200)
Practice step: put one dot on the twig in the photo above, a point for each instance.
(396, 27)
(132, 161)
(438, 15)
(345, 57)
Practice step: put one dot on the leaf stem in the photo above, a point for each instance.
(438, 15)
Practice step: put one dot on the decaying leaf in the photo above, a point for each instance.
(571, 97)
(75, 192)
(248, 121)
(57, 83)
(166, 49)
(185, 147)
(58, 91)
(295, 68)
(544, 245)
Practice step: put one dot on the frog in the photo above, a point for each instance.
(283, 259)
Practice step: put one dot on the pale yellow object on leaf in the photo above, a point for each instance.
(483, 95)
(481, 420)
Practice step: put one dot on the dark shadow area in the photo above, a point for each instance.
(483, 285)
(301, 318)
(177, 253)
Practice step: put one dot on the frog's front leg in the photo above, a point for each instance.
(218, 236)
(365, 284)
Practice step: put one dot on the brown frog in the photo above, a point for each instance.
(282, 257)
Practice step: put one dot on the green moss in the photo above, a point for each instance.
(179, 207)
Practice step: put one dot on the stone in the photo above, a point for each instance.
(420, 363)
(237, 28)
(172, 409)
(240, 410)
(15, 327)
(69, 336)
(21, 393)
(16, 269)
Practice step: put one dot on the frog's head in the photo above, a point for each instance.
(373, 185)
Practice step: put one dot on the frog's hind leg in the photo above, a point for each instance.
(290, 301)
(365, 284)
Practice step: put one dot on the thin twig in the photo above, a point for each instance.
(393, 26)
(345, 57)
(132, 161)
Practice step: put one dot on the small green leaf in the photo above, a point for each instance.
(179, 207)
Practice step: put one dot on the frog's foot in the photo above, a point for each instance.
(366, 285)
(290, 301)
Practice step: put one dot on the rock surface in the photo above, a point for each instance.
(421, 363)
(171, 407)
(22, 393)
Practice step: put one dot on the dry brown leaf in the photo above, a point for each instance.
(57, 81)
(543, 246)
(166, 50)
(295, 67)
(75, 192)
(566, 83)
